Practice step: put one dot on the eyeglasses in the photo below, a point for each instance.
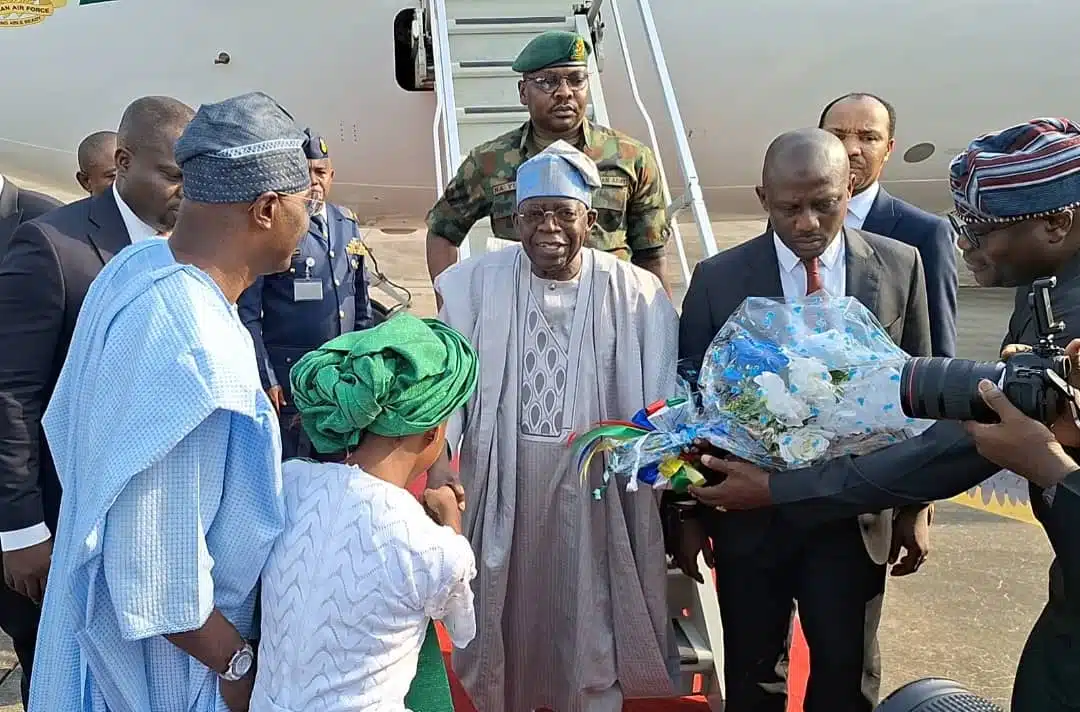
(313, 204)
(533, 217)
(975, 233)
(550, 83)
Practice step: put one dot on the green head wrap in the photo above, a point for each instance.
(402, 377)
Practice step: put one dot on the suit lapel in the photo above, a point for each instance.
(882, 217)
(10, 215)
(107, 234)
(862, 270)
(762, 279)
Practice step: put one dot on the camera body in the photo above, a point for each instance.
(1029, 388)
(1035, 381)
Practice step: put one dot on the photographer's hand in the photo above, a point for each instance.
(1064, 428)
(1019, 443)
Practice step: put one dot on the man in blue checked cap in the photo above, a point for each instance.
(165, 443)
(322, 294)
(1017, 196)
(578, 335)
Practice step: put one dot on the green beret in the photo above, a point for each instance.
(555, 48)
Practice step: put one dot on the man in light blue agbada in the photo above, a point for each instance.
(165, 444)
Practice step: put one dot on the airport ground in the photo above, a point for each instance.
(965, 615)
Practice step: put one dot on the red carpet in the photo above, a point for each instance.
(798, 672)
(799, 666)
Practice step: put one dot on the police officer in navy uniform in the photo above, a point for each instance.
(323, 294)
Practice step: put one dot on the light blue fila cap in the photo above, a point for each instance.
(559, 171)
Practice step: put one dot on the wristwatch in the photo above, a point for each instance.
(240, 665)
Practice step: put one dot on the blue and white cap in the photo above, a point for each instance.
(559, 171)
(236, 150)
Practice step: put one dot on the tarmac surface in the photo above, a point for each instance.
(965, 615)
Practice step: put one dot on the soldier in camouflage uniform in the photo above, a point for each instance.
(631, 220)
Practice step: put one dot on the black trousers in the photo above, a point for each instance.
(1048, 675)
(19, 618)
(839, 591)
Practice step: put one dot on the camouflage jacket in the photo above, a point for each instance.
(630, 202)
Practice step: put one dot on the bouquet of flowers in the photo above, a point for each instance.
(783, 385)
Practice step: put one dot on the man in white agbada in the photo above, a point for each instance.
(165, 444)
(571, 591)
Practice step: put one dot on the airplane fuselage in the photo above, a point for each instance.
(743, 72)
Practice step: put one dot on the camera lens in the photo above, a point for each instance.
(935, 695)
(947, 389)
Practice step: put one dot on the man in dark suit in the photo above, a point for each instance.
(837, 571)
(18, 205)
(866, 124)
(44, 276)
(1026, 227)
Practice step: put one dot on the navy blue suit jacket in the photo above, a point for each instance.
(283, 328)
(933, 238)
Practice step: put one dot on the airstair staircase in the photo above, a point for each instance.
(474, 43)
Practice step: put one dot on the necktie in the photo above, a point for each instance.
(320, 224)
(813, 275)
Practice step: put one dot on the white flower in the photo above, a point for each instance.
(810, 381)
(803, 446)
(785, 407)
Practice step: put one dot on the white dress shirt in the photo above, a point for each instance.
(831, 269)
(35, 534)
(136, 228)
(859, 206)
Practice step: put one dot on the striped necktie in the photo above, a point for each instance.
(320, 225)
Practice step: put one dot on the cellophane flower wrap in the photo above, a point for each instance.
(784, 385)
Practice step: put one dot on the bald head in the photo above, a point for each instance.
(147, 177)
(97, 148)
(805, 186)
(152, 119)
(97, 162)
(804, 154)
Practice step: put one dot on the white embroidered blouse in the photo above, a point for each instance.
(348, 591)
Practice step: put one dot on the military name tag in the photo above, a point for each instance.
(307, 290)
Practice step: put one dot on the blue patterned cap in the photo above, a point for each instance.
(559, 171)
(238, 149)
(1024, 171)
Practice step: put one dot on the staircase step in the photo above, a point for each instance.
(507, 8)
(485, 86)
(694, 653)
(498, 41)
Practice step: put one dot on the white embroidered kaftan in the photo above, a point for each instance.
(571, 591)
(348, 591)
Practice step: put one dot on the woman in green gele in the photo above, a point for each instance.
(362, 570)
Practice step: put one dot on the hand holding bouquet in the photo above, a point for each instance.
(783, 385)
